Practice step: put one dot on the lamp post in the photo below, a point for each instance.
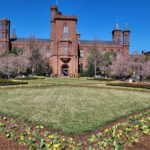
(140, 72)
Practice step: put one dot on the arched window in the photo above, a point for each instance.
(66, 50)
(47, 52)
(81, 54)
(80, 68)
(126, 39)
(24, 52)
(65, 31)
(24, 59)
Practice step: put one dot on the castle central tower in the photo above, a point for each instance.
(64, 44)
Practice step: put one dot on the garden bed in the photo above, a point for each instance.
(128, 133)
(59, 122)
(6, 144)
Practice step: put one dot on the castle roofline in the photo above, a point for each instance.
(54, 7)
(66, 18)
(27, 40)
(116, 30)
(126, 30)
(98, 42)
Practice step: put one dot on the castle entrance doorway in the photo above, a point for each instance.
(65, 70)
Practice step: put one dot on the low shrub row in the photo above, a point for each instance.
(4, 82)
(133, 85)
(29, 78)
(104, 79)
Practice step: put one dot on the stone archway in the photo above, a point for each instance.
(65, 70)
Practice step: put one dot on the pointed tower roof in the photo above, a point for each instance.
(126, 28)
(117, 26)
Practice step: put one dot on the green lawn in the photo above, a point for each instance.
(66, 81)
(71, 109)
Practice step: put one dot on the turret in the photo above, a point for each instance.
(5, 30)
(5, 34)
(126, 39)
(116, 34)
(53, 12)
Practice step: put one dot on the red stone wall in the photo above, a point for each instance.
(58, 42)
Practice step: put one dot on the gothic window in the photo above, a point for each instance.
(32, 53)
(81, 54)
(126, 39)
(65, 31)
(24, 56)
(66, 50)
(47, 52)
(80, 68)
(22, 51)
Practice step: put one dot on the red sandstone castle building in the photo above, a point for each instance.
(66, 53)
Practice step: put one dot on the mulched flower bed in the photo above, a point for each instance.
(132, 133)
(143, 144)
(6, 144)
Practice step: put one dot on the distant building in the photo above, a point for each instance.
(65, 51)
(146, 53)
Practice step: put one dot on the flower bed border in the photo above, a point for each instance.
(118, 135)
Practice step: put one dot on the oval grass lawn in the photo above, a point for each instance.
(72, 109)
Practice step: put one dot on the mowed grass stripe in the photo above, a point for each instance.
(72, 109)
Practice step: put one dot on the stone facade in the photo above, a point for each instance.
(64, 50)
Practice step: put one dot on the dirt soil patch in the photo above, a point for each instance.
(6, 144)
(143, 144)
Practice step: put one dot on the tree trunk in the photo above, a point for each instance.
(95, 67)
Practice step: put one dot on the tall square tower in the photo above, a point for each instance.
(64, 44)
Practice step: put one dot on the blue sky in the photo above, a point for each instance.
(96, 18)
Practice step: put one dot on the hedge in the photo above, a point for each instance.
(102, 79)
(4, 82)
(133, 85)
(29, 78)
